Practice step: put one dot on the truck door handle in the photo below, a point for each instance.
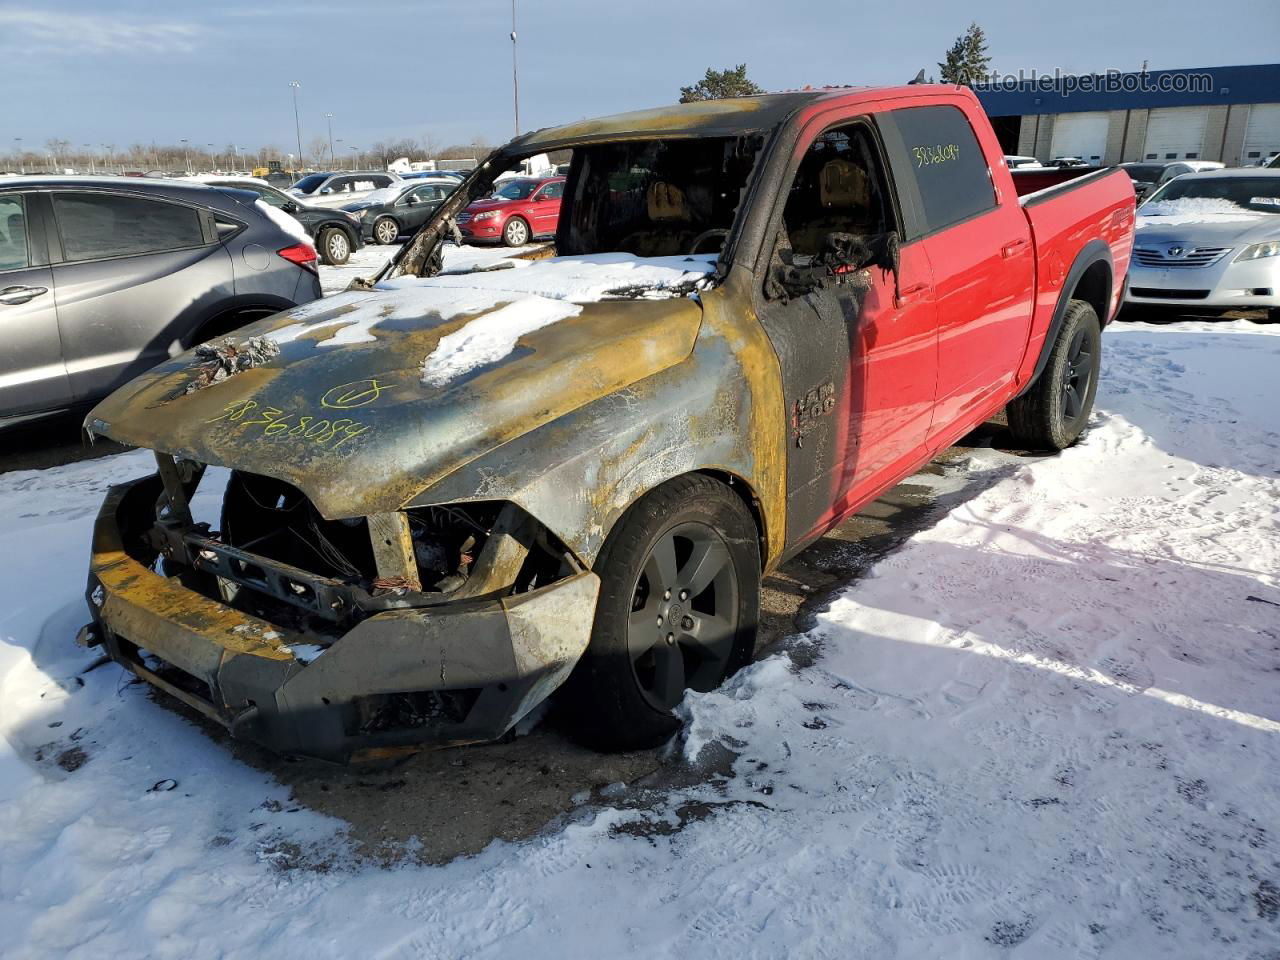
(914, 292)
(1010, 249)
(16, 295)
(1120, 218)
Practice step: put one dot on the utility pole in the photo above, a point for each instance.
(332, 161)
(297, 124)
(515, 76)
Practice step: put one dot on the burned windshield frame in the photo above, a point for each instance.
(422, 255)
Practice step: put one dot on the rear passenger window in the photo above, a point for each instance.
(949, 166)
(13, 233)
(98, 225)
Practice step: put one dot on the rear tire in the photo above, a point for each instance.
(678, 609)
(334, 247)
(516, 232)
(386, 231)
(1055, 411)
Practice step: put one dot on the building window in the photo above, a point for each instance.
(1150, 156)
(1171, 156)
(1192, 156)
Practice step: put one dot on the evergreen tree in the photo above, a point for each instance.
(967, 62)
(720, 84)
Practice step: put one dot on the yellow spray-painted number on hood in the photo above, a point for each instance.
(249, 417)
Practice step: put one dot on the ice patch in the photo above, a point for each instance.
(489, 338)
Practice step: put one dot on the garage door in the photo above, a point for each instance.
(1082, 135)
(1175, 133)
(1262, 136)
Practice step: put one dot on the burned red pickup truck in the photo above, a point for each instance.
(453, 492)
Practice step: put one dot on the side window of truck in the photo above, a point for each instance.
(946, 163)
(838, 188)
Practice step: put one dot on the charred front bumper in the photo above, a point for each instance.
(450, 673)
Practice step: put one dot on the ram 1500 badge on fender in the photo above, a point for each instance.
(453, 493)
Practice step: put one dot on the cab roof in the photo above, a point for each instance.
(729, 117)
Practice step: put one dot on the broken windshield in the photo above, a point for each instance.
(655, 198)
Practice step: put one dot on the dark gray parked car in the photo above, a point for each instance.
(102, 278)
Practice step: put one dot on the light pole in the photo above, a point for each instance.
(212, 156)
(186, 156)
(515, 78)
(236, 148)
(332, 161)
(297, 124)
(355, 157)
(22, 160)
(93, 166)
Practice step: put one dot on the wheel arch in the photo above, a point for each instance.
(1090, 279)
(255, 308)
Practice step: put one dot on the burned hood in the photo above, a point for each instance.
(365, 399)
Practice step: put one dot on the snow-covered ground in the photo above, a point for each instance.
(1049, 727)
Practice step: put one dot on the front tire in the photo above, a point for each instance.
(335, 247)
(386, 231)
(515, 233)
(678, 609)
(1055, 411)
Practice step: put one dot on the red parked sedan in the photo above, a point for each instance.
(519, 210)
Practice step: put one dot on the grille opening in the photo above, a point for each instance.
(166, 671)
(1161, 293)
(388, 712)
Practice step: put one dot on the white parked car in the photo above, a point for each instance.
(1210, 240)
(1015, 162)
(339, 189)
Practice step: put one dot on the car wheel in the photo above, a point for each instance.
(515, 233)
(1055, 411)
(386, 230)
(678, 609)
(335, 247)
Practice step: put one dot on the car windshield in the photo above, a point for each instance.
(1145, 172)
(1255, 194)
(516, 189)
(309, 183)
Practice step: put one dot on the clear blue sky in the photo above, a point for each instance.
(127, 71)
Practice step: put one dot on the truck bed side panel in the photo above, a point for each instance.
(1065, 220)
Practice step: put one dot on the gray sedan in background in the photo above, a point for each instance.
(102, 278)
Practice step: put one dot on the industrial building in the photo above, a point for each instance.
(1230, 114)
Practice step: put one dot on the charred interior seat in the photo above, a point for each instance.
(844, 204)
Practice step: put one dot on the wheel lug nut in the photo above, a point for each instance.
(659, 619)
(666, 595)
(671, 639)
(687, 623)
(684, 594)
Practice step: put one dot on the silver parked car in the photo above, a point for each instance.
(102, 278)
(1210, 240)
(339, 189)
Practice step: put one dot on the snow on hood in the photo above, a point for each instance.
(282, 220)
(381, 195)
(1195, 210)
(537, 290)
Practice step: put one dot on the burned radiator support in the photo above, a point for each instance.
(392, 542)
